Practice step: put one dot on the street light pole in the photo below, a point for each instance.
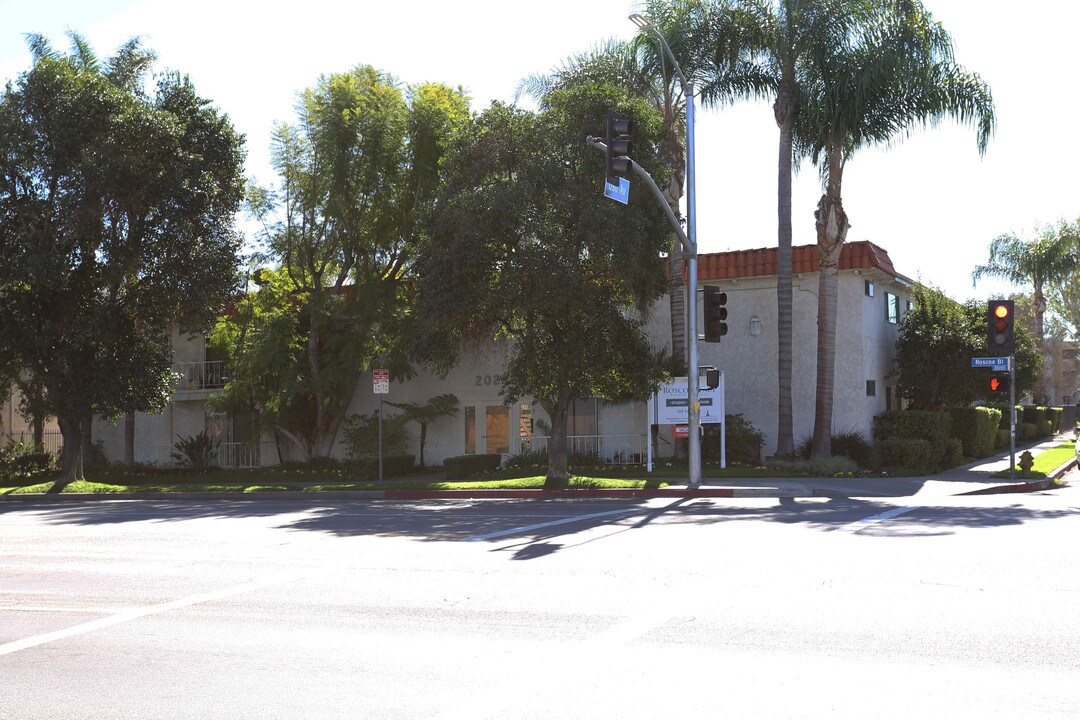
(691, 255)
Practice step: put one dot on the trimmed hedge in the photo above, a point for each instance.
(929, 425)
(1035, 415)
(901, 452)
(1053, 414)
(976, 428)
(393, 466)
(462, 466)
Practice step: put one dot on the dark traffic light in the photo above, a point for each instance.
(617, 165)
(999, 383)
(715, 313)
(1000, 318)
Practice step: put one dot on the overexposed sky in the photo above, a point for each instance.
(929, 200)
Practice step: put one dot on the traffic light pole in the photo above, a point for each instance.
(1012, 417)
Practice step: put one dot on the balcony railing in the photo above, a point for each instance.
(614, 449)
(195, 376)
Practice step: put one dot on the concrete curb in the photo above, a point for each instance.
(1046, 483)
(609, 493)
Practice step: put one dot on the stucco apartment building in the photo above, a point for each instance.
(873, 298)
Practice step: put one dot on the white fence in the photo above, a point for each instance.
(614, 449)
(229, 455)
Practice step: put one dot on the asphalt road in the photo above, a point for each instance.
(808, 608)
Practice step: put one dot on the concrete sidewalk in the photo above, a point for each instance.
(974, 478)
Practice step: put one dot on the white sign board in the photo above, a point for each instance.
(669, 405)
(381, 380)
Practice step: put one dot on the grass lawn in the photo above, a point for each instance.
(1045, 462)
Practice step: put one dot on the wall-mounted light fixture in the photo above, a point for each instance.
(755, 325)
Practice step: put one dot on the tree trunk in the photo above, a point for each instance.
(129, 438)
(784, 110)
(1038, 309)
(832, 226)
(677, 308)
(71, 453)
(423, 441)
(558, 474)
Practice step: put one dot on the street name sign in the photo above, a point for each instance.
(997, 364)
(618, 193)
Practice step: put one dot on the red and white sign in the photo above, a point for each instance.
(381, 380)
(680, 432)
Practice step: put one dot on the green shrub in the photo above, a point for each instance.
(583, 459)
(975, 427)
(463, 466)
(528, 459)
(954, 452)
(818, 467)
(362, 435)
(914, 453)
(1001, 440)
(196, 451)
(929, 425)
(1003, 422)
(19, 461)
(1054, 415)
(393, 466)
(743, 441)
(849, 444)
(1027, 431)
(1035, 415)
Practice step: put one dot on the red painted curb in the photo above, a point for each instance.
(592, 493)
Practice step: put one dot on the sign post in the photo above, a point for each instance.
(1005, 364)
(381, 386)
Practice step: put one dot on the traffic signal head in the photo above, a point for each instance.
(617, 165)
(999, 383)
(715, 313)
(1000, 326)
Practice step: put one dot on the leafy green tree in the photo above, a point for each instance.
(894, 74)
(938, 338)
(363, 155)
(1047, 260)
(117, 202)
(707, 38)
(523, 248)
(440, 406)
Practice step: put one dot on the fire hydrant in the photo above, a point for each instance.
(1026, 461)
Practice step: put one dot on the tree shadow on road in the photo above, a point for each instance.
(531, 528)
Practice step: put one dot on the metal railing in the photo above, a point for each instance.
(614, 449)
(52, 440)
(209, 375)
(230, 455)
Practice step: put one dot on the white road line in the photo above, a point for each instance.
(136, 613)
(563, 521)
(875, 519)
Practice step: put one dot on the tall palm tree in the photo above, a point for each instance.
(708, 40)
(896, 72)
(792, 34)
(1050, 258)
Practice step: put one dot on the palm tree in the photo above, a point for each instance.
(708, 40)
(435, 408)
(789, 36)
(897, 72)
(1048, 259)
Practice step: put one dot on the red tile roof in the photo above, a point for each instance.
(863, 255)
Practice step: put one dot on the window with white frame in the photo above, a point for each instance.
(892, 308)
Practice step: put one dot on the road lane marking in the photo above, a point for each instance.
(875, 519)
(141, 612)
(551, 523)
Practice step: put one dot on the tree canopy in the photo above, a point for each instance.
(938, 339)
(524, 248)
(116, 220)
(341, 227)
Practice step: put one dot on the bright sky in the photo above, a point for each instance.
(930, 200)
